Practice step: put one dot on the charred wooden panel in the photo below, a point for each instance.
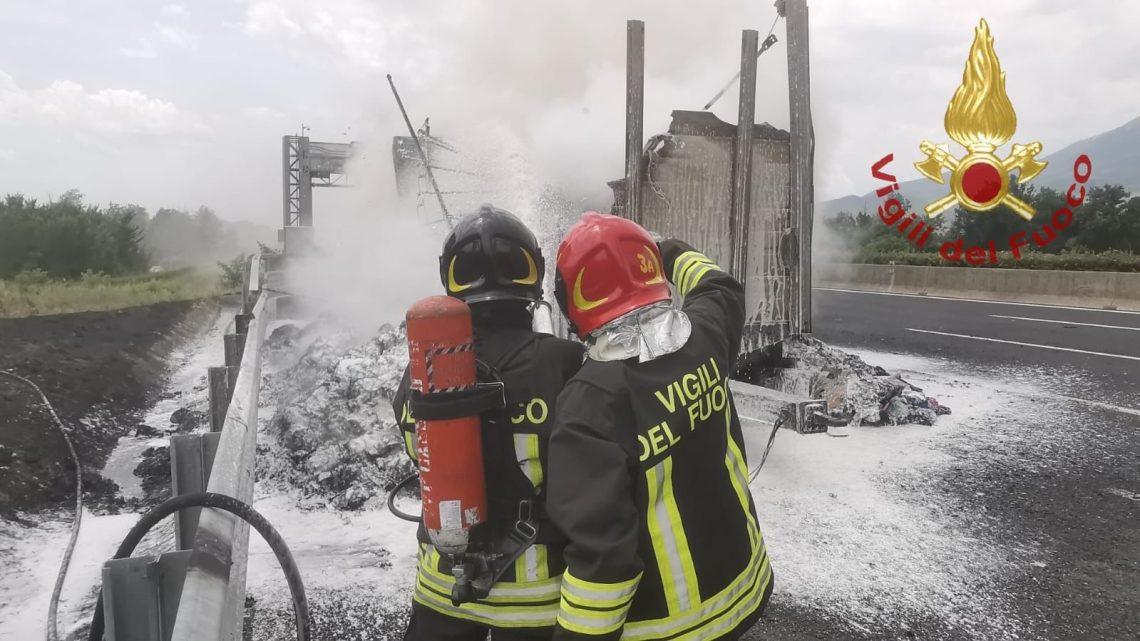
(686, 192)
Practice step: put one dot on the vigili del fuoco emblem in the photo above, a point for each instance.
(980, 117)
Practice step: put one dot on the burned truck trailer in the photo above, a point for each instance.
(686, 192)
(742, 193)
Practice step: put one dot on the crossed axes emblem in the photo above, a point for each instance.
(971, 177)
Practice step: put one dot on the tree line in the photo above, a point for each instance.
(1108, 221)
(67, 238)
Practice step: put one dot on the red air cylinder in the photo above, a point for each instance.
(450, 452)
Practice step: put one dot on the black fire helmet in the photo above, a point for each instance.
(491, 255)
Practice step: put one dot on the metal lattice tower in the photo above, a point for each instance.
(297, 182)
(306, 165)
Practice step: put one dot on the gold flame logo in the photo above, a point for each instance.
(980, 113)
(981, 118)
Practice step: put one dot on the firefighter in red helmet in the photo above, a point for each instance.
(648, 478)
(492, 262)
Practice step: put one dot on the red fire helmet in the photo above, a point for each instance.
(607, 266)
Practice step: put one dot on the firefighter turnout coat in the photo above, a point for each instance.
(534, 368)
(648, 480)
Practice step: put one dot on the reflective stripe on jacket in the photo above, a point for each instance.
(529, 600)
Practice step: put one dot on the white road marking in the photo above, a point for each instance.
(1064, 322)
(1128, 494)
(976, 300)
(998, 340)
(1105, 406)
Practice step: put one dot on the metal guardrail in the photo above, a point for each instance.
(213, 593)
(198, 592)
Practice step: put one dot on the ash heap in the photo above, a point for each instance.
(332, 439)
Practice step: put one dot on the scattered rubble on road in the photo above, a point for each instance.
(856, 391)
(338, 443)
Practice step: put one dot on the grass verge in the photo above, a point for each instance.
(21, 297)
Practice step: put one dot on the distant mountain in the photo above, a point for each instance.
(1115, 155)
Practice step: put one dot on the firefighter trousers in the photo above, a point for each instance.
(428, 625)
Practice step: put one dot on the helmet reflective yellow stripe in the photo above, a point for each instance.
(453, 286)
(581, 302)
(532, 270)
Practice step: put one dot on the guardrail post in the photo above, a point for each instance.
(191, 459)
(141, 596)
(245, 287)
(241, 323)
(219, 396)
(234, 344)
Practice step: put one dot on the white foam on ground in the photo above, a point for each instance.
(31, 561)
(30, 556)
(335, 549)
(847, 536)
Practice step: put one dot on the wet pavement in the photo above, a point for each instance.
(1034, 484)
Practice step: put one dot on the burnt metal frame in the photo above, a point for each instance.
(801, 191)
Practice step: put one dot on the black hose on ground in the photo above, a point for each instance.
(53, 609)
(392, 500)
(779, 422)
(238, 509)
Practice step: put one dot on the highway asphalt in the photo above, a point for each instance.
(1063, 477)
(1102, 346)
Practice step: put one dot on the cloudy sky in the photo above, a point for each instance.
(183, 104)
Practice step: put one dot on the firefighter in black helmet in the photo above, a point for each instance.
(492, 262)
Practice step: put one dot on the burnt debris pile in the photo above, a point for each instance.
(856, 392)
(334, 441)
(332, 427)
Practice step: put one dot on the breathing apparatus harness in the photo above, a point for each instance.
(475, 571)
